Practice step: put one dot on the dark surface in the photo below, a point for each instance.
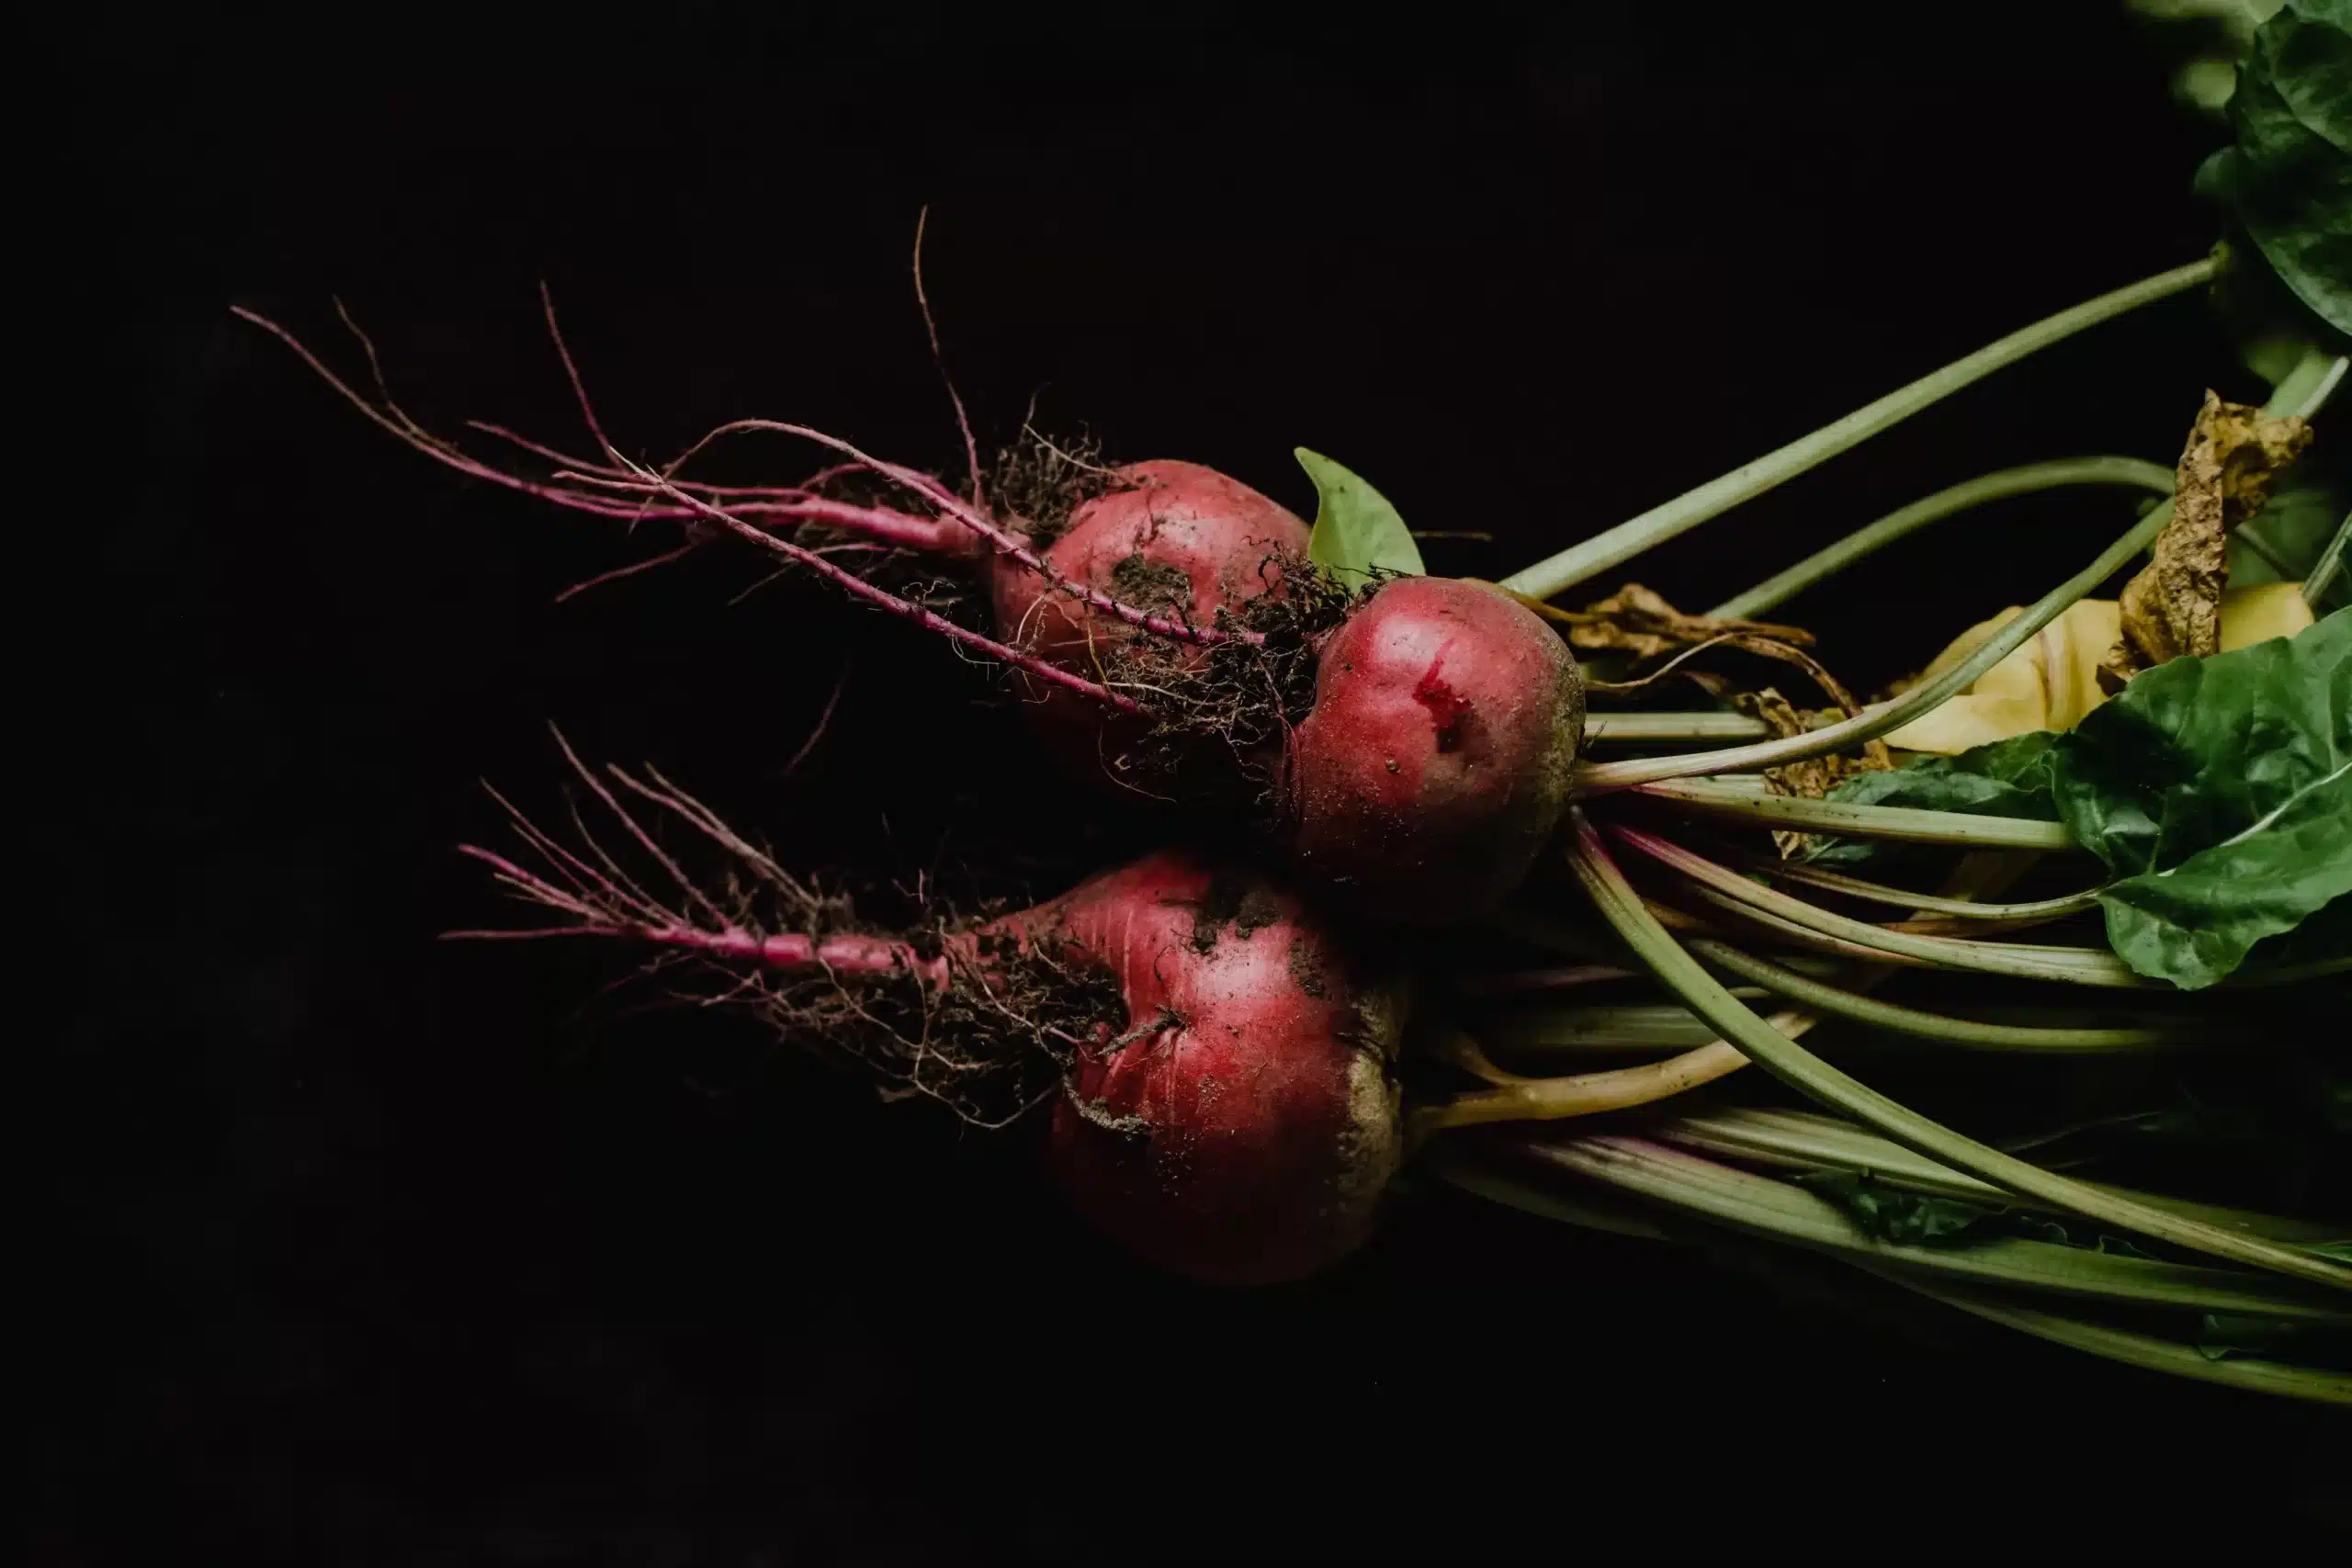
(364, 1248)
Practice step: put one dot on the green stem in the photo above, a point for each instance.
(1613, 546)
(2316, 581)
(2075, 965)
(1650, 728)
(2143, 1350)
(1706, 797)
(1880, 893)
(1780, 1211)
(2264, 551)
(1783, 586)
(2300, 393)
(1588, 1094)
(2307, 386)
(1809, 1074)
(1871, 723)
(1655, 1026)
(1805, 1140)
(1623, 1217)
(1966, 1033)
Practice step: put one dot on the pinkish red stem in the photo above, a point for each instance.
(946, 534)
(882, 599)
(1002, 540)
(852, 956)
(792, 504)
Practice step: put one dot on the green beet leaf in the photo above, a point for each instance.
(1887, 1212)
(2220, 793)
(1890, 1214)
(2287, 180)
(2006, 778)
(1356, 531)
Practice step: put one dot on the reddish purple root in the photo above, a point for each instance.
(581, 482)
(787, 951)
(600, 899)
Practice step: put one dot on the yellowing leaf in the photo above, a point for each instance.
(2053, 683)
(2261, 611)
(2048, 683)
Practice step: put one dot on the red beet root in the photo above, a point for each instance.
(1221, 1071)
(1436, 760)
(1242, 1129)
(1413, 750)
(1176, 540)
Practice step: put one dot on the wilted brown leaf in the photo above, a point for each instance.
(1636, 621)
(1811, 779)
(2172, 606)
(1639, 623)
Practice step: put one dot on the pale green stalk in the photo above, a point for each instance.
(1781, 1210)
(1651, 728)
(1613, 546)
(2143, 1350)
(2331, 561)
(1707, 797)
(2077, 966)
(1657, 1026)
(1602, 1211)
(1806, 1140)
(1809, 1074)
(2300, 393)
(1880, 893)
(1781, 587)
(1969, 1034)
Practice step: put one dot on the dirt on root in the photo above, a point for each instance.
(1240, 696)
(1235, 903)
(992, 1045)
(1150, 585)
(1038, 481)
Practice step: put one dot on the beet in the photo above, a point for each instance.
(1410, 751)
(1172, 538)
(1221, 1069)
(1438, 757)
(1241, 1129)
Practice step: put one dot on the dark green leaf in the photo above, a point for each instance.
(1356, 531)
(1890, 1214)
(2219, 791)
(2222, 1335)
(2287, 180)
(2006, 778)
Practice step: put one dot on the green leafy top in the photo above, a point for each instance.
(2006, 778)
(1356, 530)
(2218, 790)
(1889, 1213)
(2288, 179)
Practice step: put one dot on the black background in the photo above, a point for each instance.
(372, 1250)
